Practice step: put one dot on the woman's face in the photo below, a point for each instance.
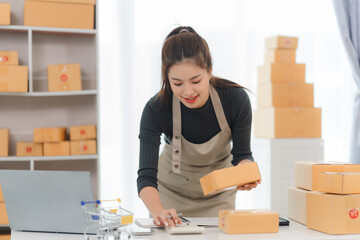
(190, 84)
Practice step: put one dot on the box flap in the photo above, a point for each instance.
(92, 2)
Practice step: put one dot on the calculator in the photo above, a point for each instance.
(283, 222)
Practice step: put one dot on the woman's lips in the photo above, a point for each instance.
(192, 99)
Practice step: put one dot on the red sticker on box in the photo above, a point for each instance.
(82, 132)
(84, 147)
(5, 58)
(287, 42)
(63, 77)
(29, 149)
(353, 213)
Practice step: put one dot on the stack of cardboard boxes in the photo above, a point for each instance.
(326, 196)
(52, 142)
(4, 14)
(13, 78)
(285, 101)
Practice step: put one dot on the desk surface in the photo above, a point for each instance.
(294, 231)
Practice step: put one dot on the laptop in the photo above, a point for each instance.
(46, 201)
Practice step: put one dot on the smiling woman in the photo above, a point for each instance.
(200, 116)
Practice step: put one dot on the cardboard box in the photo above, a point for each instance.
(64, 77)
(223, 179)
(338, 182)
(248, 221)
(281, 72)
(3, 214)
(307, 172)
(82, 132)
(280, 56)
(297, 204)
(29, 149)
(287, 94)
(281, 42)
(13, 78)
(332, 213)
(49, 134)
(61, 13)
(57, 148)
(4, 14)
(4, 142)
(9, 58)
(287, 122)
(83, 147)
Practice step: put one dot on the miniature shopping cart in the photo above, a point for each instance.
(107, 218)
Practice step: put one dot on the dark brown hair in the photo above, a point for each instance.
(182, 44)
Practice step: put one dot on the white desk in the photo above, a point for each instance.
(294, 231)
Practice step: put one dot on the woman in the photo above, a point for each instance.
(199, 115)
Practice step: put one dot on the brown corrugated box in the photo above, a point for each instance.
(9, 58)
(3, 214)
(57, 148)
(83, 147)
(64, 77)
(338, 182)
(287, 94)
(82, 132)
(307, 172)
(248, 221)
(287, 122)
(5, 14)
(333, 213)
(280, 56)
(281, 42)
(297, 204)
(55, 134)
(4, 142)
(221, 179)
(29, 149)
(62, 14)
(13, 78)
(281, 72)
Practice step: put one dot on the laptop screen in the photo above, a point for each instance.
(47, 201)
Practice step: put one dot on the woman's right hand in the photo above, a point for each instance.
(166, 217)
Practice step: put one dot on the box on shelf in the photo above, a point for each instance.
(333, 213)
(83, 147)
(307, 172)
(64, 77)
(281, 42)
(60, 13)
(82, 132)
(55, 134)
(280, 56)
(29, 149)
(339, 182)
(281, 72)
(3, 214)
(57, 148)
(222, 179)
(4, 142)
(297, 204)
(287, 122)
(248, 221)
(9, 58)
(4, 14)
(13, 78)
(285, 94)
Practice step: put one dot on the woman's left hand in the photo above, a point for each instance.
(248, 186)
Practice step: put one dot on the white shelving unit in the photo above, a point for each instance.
(22, 112)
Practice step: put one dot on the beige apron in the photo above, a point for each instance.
(183, 163)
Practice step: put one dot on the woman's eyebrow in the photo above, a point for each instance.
(192, 78)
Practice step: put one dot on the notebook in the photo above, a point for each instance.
(46, 201)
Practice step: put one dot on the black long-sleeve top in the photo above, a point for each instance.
(198, 126)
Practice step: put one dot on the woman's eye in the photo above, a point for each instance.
(196, 82)
(177, 84)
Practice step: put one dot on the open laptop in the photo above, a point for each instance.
(46, 201)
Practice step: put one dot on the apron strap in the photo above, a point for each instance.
(176, 139)
(219, 111)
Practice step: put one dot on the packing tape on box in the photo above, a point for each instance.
(251, 211)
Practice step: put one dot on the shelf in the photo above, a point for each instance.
(15, 28)
(50, 94)
(49, 158)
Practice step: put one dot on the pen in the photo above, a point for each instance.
(170, 216)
